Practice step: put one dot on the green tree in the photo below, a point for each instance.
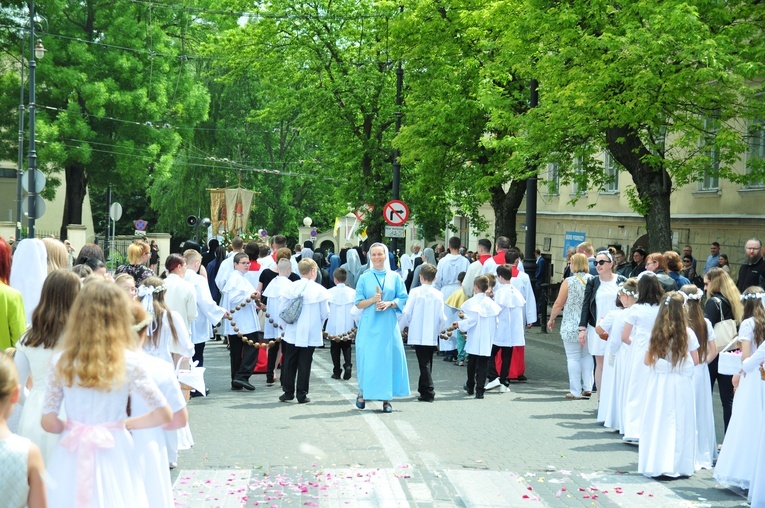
(245, 142)
(115, 92)
(447, 139)
(327, 65)
(664, 86)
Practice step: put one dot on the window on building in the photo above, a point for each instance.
(463, 230)
(755, 157)
(553, 179)
(611, 168)
(579, 182)
(710, 180)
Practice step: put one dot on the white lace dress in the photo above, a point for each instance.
(38, 360)
(150, 444)
(94, 463)
(14, 464)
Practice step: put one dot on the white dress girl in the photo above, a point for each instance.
(667, 428)
(610, 408)
(641, 316)
(35, 362)
(164, 349)
(94, 462)
(706, 438)
(736, 463)
(757, 483)
(150, 444)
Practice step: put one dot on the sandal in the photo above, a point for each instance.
(387, 408)
(571, 396)
(360, 402)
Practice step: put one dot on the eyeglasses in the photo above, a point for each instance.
(601, 262)
(686, 261)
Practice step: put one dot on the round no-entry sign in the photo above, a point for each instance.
(396, 212)
(362, 211)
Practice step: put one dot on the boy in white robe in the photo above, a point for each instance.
(208, 312)
(236, 291)
(480, 326)
(305, 334)
(274, 324)
(510, 332)
(340, 323)
(425, 317)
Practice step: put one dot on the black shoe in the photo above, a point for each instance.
(284, 397)
(348, 372)
(479, 395)
(304, 400)
(235, 387)
(242, 384)
(426, 399)
(270, 382)
(448, 358)
(335, 376)
(196, 393)
(470, 391)
(522, 378)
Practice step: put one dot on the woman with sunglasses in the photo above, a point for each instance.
(723, 302)
(599, 300)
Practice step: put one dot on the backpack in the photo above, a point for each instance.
(292, 311)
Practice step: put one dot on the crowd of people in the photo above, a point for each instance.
(97, 382)
(657, 337)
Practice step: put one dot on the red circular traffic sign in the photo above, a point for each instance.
(396, 212)
(362, 211)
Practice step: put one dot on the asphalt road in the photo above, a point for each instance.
(527, 447)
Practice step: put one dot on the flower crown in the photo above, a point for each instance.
(752, 296)
(645, 273)
(693, 296)
(686, 297)
(624, 291)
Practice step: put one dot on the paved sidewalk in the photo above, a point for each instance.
(527, 447)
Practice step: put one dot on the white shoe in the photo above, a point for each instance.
(492, 384)
(503, 389)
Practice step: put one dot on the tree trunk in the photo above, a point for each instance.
(76, 187)
(505, 206)
(653, 184)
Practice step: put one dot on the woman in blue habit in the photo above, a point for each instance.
(381, 295)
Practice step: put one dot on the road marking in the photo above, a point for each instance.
(486, 489)
(637, 490)
(219, 488)
(392, 448)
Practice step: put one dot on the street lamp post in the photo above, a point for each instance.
(20, 173)
(36, 49)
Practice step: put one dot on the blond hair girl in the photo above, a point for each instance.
(94, 374)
